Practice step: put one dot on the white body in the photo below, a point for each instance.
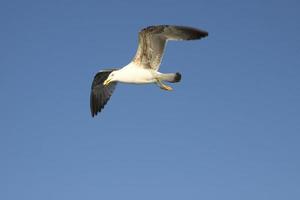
(133, 73)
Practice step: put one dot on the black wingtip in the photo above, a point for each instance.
(204, 33)
(100, 94)
(197, 34)
(93, 105)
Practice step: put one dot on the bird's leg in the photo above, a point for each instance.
(163, 86)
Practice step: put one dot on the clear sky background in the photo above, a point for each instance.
(229, 130)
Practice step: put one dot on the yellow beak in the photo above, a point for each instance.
(107, 81)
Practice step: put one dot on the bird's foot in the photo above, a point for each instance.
(164, 86)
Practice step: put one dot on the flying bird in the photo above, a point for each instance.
(143, 69)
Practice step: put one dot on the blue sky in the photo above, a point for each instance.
(229, 130)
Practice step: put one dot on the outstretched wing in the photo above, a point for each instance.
(100, 94)
(152, 41)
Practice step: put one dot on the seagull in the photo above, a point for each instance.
(143, 69)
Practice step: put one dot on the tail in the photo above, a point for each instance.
(172, 78)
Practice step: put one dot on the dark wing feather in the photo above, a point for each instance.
(152, 41)
(100, 94)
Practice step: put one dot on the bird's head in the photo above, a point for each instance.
(111, 77)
